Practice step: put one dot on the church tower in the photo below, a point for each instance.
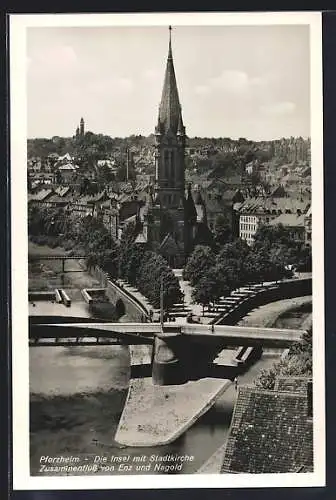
(170, 142)
(81, 127)
(171, 217)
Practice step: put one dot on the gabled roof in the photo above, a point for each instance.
(41, 195)
(169, 245)
(62, 190)
(67, 157)
(68, 166)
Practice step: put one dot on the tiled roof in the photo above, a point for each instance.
(62, 191)
(289, 220)
(41, 195)
(270, 432)
(262, 205)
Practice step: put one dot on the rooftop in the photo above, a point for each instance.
(280, 205)
(289, 220)
(271, 430)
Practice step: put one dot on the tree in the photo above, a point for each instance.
(135, 259)
(231, 262)
(298, 362)
(210, 287)
(223, 231)
(127, 239)
(152, 268)
(105, 175)
(281, 247)
(201, 258)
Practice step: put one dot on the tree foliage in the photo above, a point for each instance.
(201, 259)
(236, 263)
(297, 363)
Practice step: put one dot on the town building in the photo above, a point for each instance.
(308, 227)
(294, 223)
(67, 172)
(254, 212)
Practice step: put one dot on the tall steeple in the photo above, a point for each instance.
(170, 115)
(81, 126)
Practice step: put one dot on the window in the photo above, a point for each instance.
(172, 165)
(166, 166)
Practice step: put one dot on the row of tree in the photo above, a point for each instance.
(215, 271)
(125, 259)
(147, 270)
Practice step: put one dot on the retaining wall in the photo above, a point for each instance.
(133, 308)
(283, 290)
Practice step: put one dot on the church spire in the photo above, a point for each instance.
(170, 116)
(170, 53)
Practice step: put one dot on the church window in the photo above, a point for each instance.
(172, 165)
(166, 164)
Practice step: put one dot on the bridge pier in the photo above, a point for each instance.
(167, 367)
(177, 360)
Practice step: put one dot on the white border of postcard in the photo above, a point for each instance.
(18, 106)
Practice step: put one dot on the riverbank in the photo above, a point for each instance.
(265, 316)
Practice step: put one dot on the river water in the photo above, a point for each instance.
(77, 396)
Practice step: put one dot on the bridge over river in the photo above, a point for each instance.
(62, 259)
(178, 349)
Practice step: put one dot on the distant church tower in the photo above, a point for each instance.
(81, 127)
(170, 142)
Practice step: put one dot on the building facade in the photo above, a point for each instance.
(255, 212)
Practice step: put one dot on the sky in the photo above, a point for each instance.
(233, 81)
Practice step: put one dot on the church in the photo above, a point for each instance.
(172, 222)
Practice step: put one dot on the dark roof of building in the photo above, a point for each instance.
(169, 245)
(271, 431)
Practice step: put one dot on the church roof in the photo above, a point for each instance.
(170, 115)
(190, 210)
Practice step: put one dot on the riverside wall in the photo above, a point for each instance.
(283, 290)
(121, 298)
